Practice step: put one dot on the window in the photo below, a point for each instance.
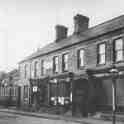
(42, 67)
(26, 92)
(30, 71)
(80, 58)
(118, 50)
(101, 54)
(36, 67)
(65, 62)
(46, 66)
(25, 70)
(56, 64)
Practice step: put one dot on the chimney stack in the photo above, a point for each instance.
(81, 23)
(61, 32)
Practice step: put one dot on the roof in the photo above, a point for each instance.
(108, 26)
(14, 73)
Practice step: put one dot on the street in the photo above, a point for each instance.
(6, 118)
(9, 118)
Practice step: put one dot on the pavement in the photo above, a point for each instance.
(96, 119)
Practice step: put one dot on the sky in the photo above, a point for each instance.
(26, 25)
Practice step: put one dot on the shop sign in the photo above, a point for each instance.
(35, 88)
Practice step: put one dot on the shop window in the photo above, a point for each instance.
(118, 50)
(80, 58)
(65, 62)
(101, 53)
(56, 64)
(60, 93)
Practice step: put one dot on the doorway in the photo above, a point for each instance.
(80, 97)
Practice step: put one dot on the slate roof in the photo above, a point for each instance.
(108, 26)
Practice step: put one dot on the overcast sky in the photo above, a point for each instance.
(26, 25)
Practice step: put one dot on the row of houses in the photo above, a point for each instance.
(74, 69)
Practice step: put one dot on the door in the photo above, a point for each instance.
(80, 97)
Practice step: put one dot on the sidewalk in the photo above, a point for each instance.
(89, 120)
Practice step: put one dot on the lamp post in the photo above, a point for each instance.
(114, 74)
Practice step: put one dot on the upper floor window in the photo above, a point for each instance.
(42, 67)
(56, 64)
(30, 71)
(25, 70)
(36, 67)
(65, 62)
(118, 50)
(101, 53)
(80, 58)
(46, 66)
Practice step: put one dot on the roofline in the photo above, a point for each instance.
(79, 41)
(107, 21)
(68, 45)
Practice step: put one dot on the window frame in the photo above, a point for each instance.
(35, 69)
(79, 59)
(115, 51)
(30, 68)
(25, 71)
(63, 64)
(54, 64)
(98, 53)
(26, 91)
(42, 67)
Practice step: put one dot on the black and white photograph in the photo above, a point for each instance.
(61, 61)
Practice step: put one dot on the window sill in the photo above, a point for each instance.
(100, 64)
(55, 72)
(116, 62)
(81, 67)
(65, 71)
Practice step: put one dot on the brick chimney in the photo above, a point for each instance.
(61, 32)
(81, 23)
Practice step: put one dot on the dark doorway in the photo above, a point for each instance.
(80, 97)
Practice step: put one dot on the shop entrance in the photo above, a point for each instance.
(80, 97)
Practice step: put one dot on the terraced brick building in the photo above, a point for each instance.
(74, 70)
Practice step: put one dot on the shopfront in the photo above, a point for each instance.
(70, 92)
(102, 90)
(60, 92)
(39, 92)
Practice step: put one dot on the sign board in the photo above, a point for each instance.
(35, 88)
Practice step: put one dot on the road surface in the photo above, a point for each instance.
(7, 118)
